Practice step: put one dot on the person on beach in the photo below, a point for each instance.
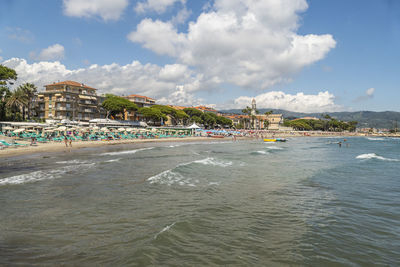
(65, 141)
(70, 142)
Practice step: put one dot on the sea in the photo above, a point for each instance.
(305, 202)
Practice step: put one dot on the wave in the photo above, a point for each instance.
(262, 152)
(172, 176)
(376, 138)
(125, 152)
(75, 161)
(169, 177)
(113, 160)
(374, 156)
(274, 147)
(213, 162)
(42, 175)
(166, 228)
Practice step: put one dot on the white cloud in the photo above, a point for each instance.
(370, 92)
(300, 102)
(181, 97)
(159, 6)
(249, 43)
(53, 52)
(181, 16)
(106, 9)
(135, 78)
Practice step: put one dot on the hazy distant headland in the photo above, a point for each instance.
(365, 119)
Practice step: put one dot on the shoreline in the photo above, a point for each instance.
(50, 147)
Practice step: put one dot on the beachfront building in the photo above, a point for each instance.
(256, 121)
(69, 100)
(140, 101)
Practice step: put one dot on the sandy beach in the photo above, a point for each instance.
(76, 145)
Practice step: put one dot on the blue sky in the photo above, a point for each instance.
(299, 55)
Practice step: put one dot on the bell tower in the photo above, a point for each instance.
(253, 107)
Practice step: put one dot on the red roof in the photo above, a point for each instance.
(140, 96)
(72, 83)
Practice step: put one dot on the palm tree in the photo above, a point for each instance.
(29, 90)
(18, 101)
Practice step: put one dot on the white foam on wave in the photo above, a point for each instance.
(213, 162)
(274, 147)
(169, 177)
(125, 152)
(166, 228)
(376, 138)
(75, 161)
(262, 152)
(113, 160)
(42, 175)
(374, 156)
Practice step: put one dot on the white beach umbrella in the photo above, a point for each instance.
(19, 130)
(7, 128)
(121, 129)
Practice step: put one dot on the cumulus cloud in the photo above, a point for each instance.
(106, 9)
(300, 102)
(134, 78)
(159, 6)
(53, 52)
(369, 93)
(249, 43)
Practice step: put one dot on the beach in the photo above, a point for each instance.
(76, 145)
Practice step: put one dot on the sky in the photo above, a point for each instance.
(299, 55)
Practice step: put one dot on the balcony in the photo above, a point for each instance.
(63, 100)
(63, 108)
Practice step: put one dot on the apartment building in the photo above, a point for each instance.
(69, 100)
(140, 101)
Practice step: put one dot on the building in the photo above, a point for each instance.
(206, 109)
(69, 100)
(140, 101)
(256, 121)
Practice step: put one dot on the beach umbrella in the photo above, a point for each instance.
(104, 129)
(7, 128)
(121, 129)
(62, 128)
(19, 130)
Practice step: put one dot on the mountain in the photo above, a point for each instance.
(366, 119)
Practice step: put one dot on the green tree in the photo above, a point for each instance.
(196, 119)
(153, 114)
(193, 112)
(29, 90)
(224, 122)
(17, 103)
(209, 119)
(7, 77)
(117, 105)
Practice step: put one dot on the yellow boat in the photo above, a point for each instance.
(269, 140)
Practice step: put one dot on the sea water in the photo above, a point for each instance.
(303, 202)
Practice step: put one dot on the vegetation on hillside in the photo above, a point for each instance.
(326, 124)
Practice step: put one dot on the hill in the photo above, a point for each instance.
(366, 119)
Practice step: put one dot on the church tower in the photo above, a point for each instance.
(253, 107)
